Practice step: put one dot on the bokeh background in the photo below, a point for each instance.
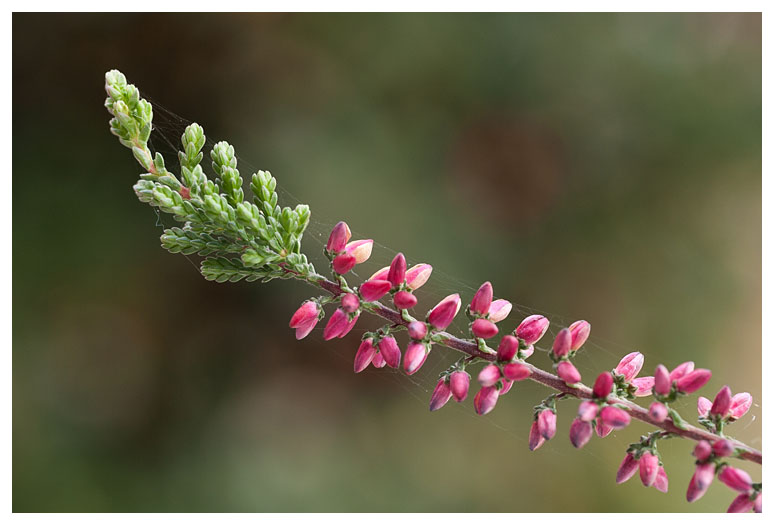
(597, 166)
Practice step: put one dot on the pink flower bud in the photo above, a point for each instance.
(443, 313)
(415, 356)
(527, 352)
(681, 370)
(485, 400)
(458, 384)
(343, 263)
(579, 333)
(305, 318)
(627, 468)
(587, 410)
(336, 324)
(480, 304)
(661, 380)
(702, 451)
(561, 345)
(361, 250)
(306, 312)
(602, 428)
(742, 503)
(568, 372)
(489, 375)
(661, 482)
(380, 275)
(516, 371)
(499, 310)
(338, 238)
(404, 300)
(348, 326)
(536, 439)
(657, 412)
(417, 330)
(397, 272)
(547, 423)
(614, 417)
(701, 480)
(532, 328)
(507, 348)
(374, 289)
(693, 381)
(722, 402)
(378, 361)
(703, 406)
(350, 302)
(757, 503)
(390, 351)
(418, 275)
(723, 448)
(484, 329)
(441, 394)
(506, 387)
(643, 386)
(603, 385)
(735, 479)
(649, 468)
(740, 404)
(630, 365)
(580, 432)
(364, 355)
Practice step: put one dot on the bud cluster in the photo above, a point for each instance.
(567, 342)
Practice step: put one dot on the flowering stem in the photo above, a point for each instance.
(539, 375)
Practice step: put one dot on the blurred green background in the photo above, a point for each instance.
(595, 166)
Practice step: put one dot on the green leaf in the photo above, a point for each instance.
(678, 421)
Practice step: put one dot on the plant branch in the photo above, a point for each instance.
(539, 375)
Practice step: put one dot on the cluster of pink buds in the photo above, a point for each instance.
(683, 379)
(484, 312)
(710, 462)
(399, 280)
(605, 410)
(343, 319)
(667, 386)
(438, 318)
(724, 409)
(599, 413)
(645, 461)
(345, 255)
(497, 378)
(566, 343)
(380, 352)
(626, 382)
(452, 385)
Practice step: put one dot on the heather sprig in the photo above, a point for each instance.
(258, 239)
(239, 239)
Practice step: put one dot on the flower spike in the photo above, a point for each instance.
(255, 238)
